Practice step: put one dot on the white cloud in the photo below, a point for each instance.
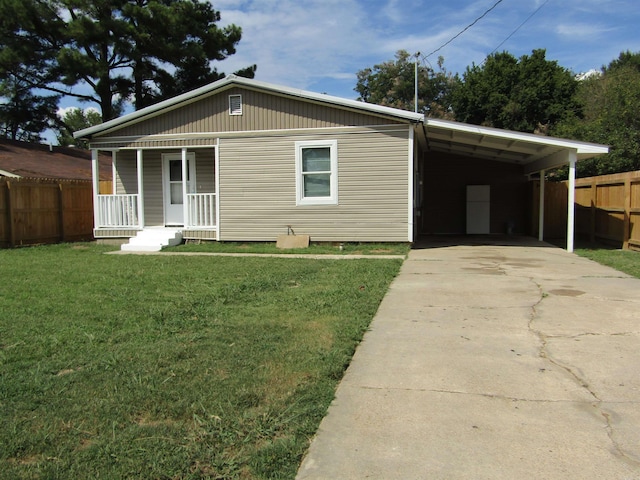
(296, 43)
(582, 30)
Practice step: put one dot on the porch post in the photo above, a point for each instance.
(140, 189)
(95, 176)
(541, 208)
(571, 200)
(185, 206)
(216, 174)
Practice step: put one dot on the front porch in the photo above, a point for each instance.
(159, 187)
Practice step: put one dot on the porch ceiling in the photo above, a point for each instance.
(531, 151)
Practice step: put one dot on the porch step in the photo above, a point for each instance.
(153, 240)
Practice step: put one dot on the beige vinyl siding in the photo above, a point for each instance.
(260, 111)
(113, 233)
(153, 187)
(200, 235)
(205, 171)
(126, 176)
(258, 188)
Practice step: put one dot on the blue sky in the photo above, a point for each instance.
(319, 45)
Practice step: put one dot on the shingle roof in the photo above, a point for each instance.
(35, 160)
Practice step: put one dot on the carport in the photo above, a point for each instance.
(460, 159)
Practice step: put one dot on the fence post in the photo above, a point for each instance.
(594, 209)
(627, 213)
(541, 208)
(6, 216)
(10, 203)
(61, 215)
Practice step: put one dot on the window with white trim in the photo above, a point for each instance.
(235, 104)
(317, 172)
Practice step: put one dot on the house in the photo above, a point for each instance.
(244, 160)
(34, 160)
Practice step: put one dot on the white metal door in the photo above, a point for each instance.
(478, 209)
(173, 191)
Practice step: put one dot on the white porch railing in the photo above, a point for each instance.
(121, 211)
(201, 210)
(117, 211)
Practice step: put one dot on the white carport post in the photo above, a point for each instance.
(541, 208)
(95, 177)
(573, 156)
(140, 189)
(185, 205)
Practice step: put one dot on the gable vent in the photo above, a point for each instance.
(235, 104)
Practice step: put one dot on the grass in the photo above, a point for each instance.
(626, 261)
(314, 248)
(172, 367)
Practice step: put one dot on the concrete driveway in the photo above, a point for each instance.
(491, 361)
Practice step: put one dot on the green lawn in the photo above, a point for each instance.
(172, 367)
(626, 261)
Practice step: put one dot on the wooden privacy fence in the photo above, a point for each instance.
(607, 208)
(106, 187)
(34, 211)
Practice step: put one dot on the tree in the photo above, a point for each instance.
(530, 94)
(107, 51)
(23, 115)
(611, 116)
(392, 84)
(73, 120)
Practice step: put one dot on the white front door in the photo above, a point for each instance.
(173, 190)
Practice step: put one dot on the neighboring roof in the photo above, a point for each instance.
(22, 159)
(535, 152)
(234, 81)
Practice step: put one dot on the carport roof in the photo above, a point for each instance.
(533, 152)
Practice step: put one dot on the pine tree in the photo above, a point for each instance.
(110, 51)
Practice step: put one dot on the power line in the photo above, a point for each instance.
(465, 29)
(519, 26)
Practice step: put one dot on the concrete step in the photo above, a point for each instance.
(153, 240)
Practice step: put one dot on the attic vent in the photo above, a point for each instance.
(235, 104)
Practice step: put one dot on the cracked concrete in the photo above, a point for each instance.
(491, 361)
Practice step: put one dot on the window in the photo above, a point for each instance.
(235, 104)
(317, 172)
